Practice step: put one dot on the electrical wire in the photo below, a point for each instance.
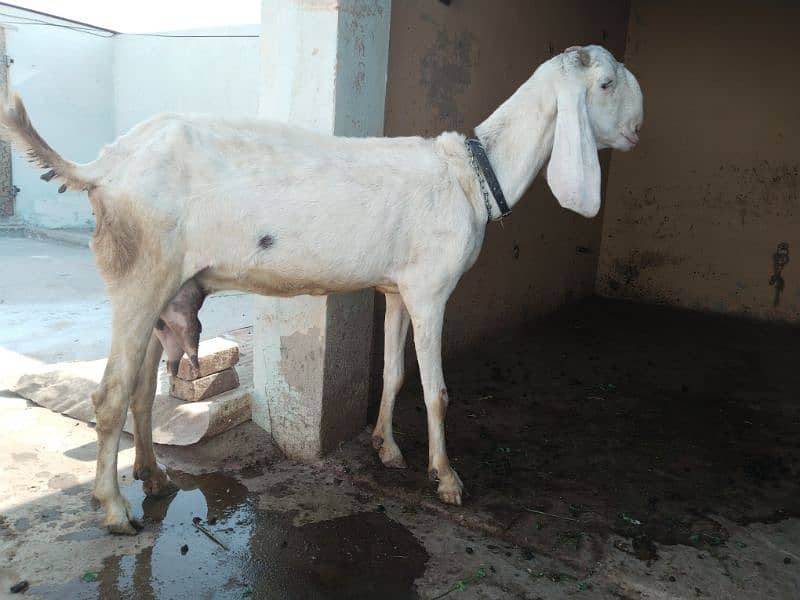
(78, 29)
(23, 20)
(188, 35)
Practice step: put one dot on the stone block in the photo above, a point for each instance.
(204, 387)
(214, 355)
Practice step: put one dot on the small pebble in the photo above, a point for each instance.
(787, 560)
(469, 550)
(381, 508)
(19, 587)
(184, 549)
(672, 578)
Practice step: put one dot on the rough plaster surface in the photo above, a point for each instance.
(449, 68)
(324, 68)
(288, 355)
(694, 216)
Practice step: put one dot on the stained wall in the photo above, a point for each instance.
(694, 216)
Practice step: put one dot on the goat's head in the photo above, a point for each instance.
(598, 105)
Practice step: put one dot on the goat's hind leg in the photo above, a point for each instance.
(177, 331)
(155, 481)
(427, 316)
(396, 329)
(136, 305)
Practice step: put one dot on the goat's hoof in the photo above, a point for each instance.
(397, 462)
(450, 489)
(390, 456)
(159, 488)
(125, 528)
(120, 519)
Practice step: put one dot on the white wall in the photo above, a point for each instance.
(65, 78)
(200, 75)
(83, 91)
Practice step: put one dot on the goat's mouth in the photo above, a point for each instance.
(630, 140)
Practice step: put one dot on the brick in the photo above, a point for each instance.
(204, 387)
(214, 355)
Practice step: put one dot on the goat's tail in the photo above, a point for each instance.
(17, 129)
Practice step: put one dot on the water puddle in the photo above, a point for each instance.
(365, 555)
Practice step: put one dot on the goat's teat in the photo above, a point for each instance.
(178, 329)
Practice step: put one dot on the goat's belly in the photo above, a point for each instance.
(270, 283)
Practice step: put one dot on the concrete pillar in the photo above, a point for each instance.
(324, 68)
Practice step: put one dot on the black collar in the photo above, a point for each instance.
(482, 164)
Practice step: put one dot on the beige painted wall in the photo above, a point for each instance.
(449, 67)
(694, 215)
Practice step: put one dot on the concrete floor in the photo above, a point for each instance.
(53, 306)
(615, 451)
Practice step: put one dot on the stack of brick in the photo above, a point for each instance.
(215, 376)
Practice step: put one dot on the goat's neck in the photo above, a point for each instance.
(518, 136)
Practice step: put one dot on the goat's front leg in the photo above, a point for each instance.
(155, 481)
(427, 316)
(395, 332)
(135, 309)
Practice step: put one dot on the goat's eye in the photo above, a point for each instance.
(607, 84)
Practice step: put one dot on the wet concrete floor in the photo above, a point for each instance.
(212, 541)
(612, 451)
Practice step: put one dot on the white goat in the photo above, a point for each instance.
(216, 204)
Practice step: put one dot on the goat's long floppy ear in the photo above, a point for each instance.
(574, 170)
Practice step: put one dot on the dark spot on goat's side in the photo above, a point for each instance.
(266, 242)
